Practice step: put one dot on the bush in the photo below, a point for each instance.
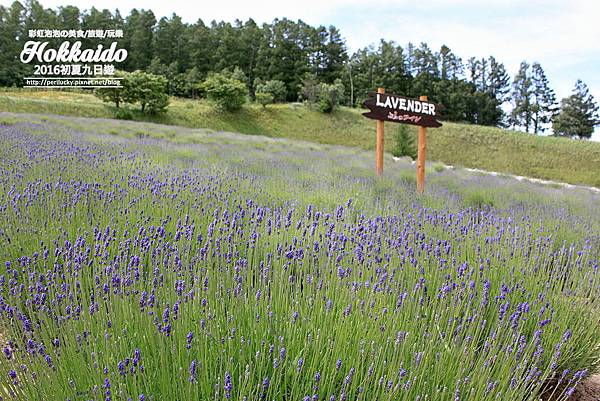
(326, 97)
(111, 95)
(274, 87)
(405, 144)
(479, 199)
(264, 98)
(310, 89)
(149, 90)
(123, 114)
(229, 94)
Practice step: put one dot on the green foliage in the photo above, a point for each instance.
(578, 115)
(522, 93)
(274, 87)
(264, 98)
(112, 95)
(123, 114)
(284, 52)
(479, 199)
(148, 90)
(228, 93)
(404, 143)
(327, 97)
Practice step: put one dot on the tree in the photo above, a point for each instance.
(405, 144)
(113, 95)
(171, 42)
(264, 98)
(273, 87)
(329, 96)
(522, 93)
(310, 88)
(228, 93)
(11, 42)
(138, 38)
(544, 101)
(578, 114)
(149, 90)
(192, 79)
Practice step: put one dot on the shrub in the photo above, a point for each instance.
(405, 144)
(326, 97)
(228, 93)
(111, 95)
(149, 90)
(264, 98)
(479, 199)
(274, 87)
(123, 114)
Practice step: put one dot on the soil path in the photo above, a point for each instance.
(588, 390)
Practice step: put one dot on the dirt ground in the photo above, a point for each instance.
(588, 390)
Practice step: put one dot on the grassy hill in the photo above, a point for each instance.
(560, 159)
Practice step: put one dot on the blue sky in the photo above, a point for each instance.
(564, 36)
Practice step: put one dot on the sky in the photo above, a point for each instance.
(563, 36)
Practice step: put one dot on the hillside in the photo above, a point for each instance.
(486, 148)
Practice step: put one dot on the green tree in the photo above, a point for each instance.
(404, 143)
(274, 87)
(138, 39)
(192, 78)
(329, 96)
(113, 95)
(228, 93)
(578, 114)
(264, 98)
(171, 42)
(12, 38)
(310, 88)
(149, 90)
(543, 105)
(522, 92)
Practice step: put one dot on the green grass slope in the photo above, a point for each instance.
(559, 159)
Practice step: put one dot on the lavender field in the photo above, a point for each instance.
(144, 262)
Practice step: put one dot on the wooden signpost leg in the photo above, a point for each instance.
(421, 147)
(379, 145)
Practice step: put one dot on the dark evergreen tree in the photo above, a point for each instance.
(138, 39)
(578, 114)
(12, 38)
(171, 42)
(522, 93)
(334, 56)
(544, 104)
(201, 48)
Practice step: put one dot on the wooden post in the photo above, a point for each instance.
(421, 147)
(379, 145)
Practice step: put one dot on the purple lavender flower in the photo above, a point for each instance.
(189, 338)
(192, 371)
(282, 353)
(7, 352)
(228, 385)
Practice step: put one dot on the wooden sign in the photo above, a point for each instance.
(399, 109)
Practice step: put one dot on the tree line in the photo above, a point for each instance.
(299, 55)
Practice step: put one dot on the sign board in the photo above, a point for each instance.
(400, 109)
